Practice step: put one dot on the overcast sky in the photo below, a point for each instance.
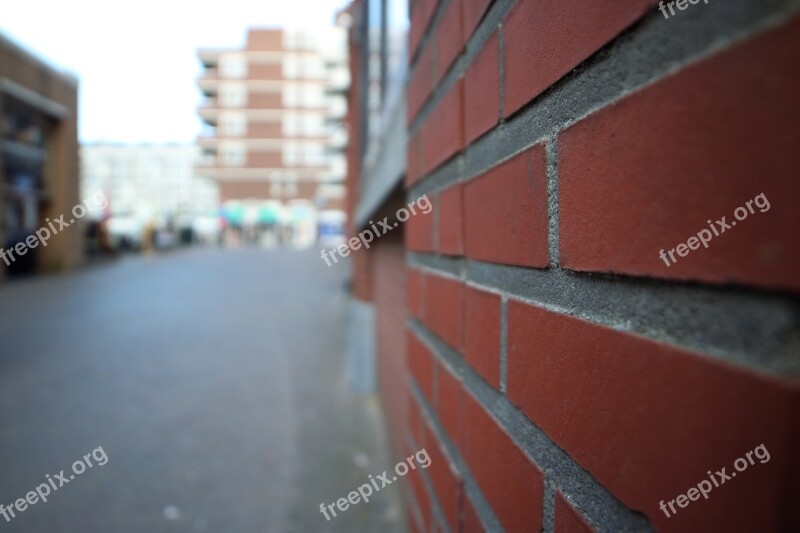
(136, 61)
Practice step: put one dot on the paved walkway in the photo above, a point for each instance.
(213, 380)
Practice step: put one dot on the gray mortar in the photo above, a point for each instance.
(643, 54)
(758, 330)
(599, 507)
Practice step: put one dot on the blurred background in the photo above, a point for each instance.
(186, 323)
(191, 163)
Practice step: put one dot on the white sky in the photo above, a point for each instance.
(137, 61)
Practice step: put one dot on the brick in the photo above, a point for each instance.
(567, 519)
(482, 91)
(472, 14)
(542, 44)
(471, 522)
(419, 232)
(415, 283)
(420, 83)
(450, 404)
(421, 15)
(413, 522)
(449, 38)
(647, 173)
(660, 415)
(414, 159)
(512, 484)
(443, 129)
(445, 479)
(444, 309)
(482, 333)
(415, 422)
(451, 221)
(421, 496)
(420, 365)
(506, 212)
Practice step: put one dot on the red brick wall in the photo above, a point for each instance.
(562, 377)
(388, 290)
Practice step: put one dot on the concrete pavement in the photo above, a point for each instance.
(213, 380)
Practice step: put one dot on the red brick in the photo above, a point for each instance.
(412, 519)
(421, 497)
(660, 415)
(416, 292)
(420, 365)
(542, 43)
(415, 422)
(511, 483)
(419, 230)
(647, 173)
(451, 221)
(506, 212)
(482, 333)
(443, 130)
(470, 523)
(414, 159)
(473, 12)
(567, 519)
(421, 15)
(482, 91)
(420, 83)
(450, 404)
(449, 38)
(444, 309)
(445, 479)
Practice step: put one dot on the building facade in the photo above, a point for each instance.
(38, 160)
(528, 333)
(147, 181)
(273, 137)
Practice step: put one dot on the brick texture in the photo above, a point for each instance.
(482, 91)
(419, 230)
(482, 334)
(506, 212)
(421, 13)
(708, 139)
(450, 38)
(473, 12)
(443, 130)
(420, 83)
(415, 292)
(450, 404)
(451, 221)
(567, 519)
(420, 365)
(584, 384)
(543, 43)
(445, 480)
(510, 481)
(444, 309)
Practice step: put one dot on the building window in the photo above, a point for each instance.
(232, 124)
(233, 95)
(233, 66)
(233, 154)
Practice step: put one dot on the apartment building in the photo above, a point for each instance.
(273, 137)
(38, 159)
